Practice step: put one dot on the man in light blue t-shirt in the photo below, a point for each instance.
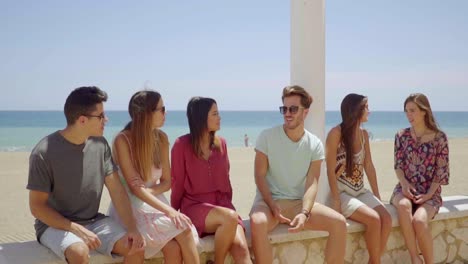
(287, 169)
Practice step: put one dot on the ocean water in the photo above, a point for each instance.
(21, 130)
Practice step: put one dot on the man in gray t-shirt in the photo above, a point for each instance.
(67, 172)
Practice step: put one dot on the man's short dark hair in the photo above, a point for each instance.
(83, 101)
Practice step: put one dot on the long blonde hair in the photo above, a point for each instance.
(146, 141)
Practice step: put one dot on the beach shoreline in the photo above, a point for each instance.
(16, 222)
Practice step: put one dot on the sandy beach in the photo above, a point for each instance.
(16, 222)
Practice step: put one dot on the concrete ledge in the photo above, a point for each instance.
(34, 253)
(449, 228)
(454, 207)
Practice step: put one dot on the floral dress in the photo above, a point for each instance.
(422, 164)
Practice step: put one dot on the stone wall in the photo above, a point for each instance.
(449, 231)
(450, 246)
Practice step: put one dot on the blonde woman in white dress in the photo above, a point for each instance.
(141, 151)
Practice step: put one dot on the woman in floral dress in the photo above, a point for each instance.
(422, 166)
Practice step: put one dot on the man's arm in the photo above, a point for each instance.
(42, 211)
(120, 200)
(311, 187)
(308, 200)
(122, 205)
(260, 171)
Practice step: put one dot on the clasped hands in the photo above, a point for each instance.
(410, 192)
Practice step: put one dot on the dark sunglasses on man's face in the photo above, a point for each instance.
(101, 116)
(292, 109)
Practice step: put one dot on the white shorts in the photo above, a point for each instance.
(350, 203)
(107, 230)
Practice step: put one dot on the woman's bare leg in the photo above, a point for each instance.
(223, 222)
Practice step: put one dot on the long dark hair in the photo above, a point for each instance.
(423, 104)
(352, 109)
(197, 116)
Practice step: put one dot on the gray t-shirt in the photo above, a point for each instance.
(72, 175)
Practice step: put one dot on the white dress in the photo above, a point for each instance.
(154, 225)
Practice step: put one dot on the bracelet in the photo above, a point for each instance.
(305, 212)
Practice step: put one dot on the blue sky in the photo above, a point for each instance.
(234, 51)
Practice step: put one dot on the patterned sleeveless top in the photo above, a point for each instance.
(352, 184)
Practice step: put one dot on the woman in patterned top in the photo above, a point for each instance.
(348, 156)
(422, 166)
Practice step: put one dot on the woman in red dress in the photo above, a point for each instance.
(201, 188)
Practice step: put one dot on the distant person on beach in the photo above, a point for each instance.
(67, 172)
(246, 140)
(421, 166)
(201, 187)
(141, 152)
(348, 156)
(287, 169)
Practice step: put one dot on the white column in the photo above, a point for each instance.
(308, 66)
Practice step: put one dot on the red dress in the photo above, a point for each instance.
(199, 185)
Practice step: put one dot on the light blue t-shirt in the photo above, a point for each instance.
(288, 161)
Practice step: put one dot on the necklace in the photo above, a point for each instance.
(419, 138)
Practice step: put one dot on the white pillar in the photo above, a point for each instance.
(308, 67)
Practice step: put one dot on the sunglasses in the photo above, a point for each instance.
(292, 109)
(101, 116)
(162, 109)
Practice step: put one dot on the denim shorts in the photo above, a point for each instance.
(107, 230)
